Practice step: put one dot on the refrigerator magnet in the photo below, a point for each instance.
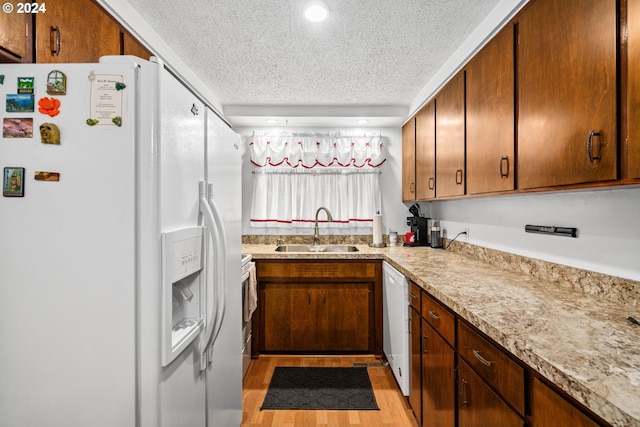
(13, 182)
(25, 84)
(1, 79)
(49, 106)
(46, 176)
(49, 134)
(56, 83)
(17, 127)
(19, 103)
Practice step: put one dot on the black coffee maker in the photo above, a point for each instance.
(419, 226)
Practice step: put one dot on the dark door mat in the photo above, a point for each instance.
(320, 388)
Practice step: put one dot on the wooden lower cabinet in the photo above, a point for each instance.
(549, 409)
(310, 317)
(438, 380)
(415, 364)
(319, 306)
(479, 405)
(461, 378)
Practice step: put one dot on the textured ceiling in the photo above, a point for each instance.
(264, 53)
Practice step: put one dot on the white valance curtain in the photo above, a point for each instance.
(313, 149)
(341, 177)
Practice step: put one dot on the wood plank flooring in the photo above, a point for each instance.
(394, 409)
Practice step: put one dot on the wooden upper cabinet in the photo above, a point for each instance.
(566, 62)
(491, 116)
(409, 160)
(633, 91)
(426, 152)
(15, 36)
(131, 46)
(75, 31)
(450, 148)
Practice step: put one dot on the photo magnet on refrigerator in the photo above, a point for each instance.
(19, 103)
(13, 182)
(18, 127)
(46, 176)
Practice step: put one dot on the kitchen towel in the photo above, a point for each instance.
(251, 294)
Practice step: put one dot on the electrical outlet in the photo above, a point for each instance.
(465, 237)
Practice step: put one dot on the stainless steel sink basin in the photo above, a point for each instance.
(316, 248)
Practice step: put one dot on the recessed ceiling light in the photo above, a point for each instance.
(271, 121)
(316, 11)
(362, 121)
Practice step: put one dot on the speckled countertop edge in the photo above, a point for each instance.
(580, 342)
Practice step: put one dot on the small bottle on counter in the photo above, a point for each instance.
(436, 241)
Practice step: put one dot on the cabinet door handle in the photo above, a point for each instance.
(412, 187)
(504, 167)
(413, 296)
(459, 176)
(464, 392)
(424, 343)
(432, 183)
(434, 315)
(482, 360)
(324, 297)
(593, 151)
(309, 297)
(54, 40)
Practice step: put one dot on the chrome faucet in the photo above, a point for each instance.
(316, 232)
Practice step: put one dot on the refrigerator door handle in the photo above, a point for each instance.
(221, 266)
(210, 279)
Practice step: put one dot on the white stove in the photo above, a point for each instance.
(247, 310)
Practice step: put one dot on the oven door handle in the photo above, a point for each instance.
(245, 276)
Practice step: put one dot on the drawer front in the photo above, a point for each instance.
(316, 269)
(415, 293)
(478, 405)
(439, 317)
(495, 367)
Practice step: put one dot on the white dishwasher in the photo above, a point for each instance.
(395, 308)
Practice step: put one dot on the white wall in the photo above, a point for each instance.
(608, 223)
(394, 212)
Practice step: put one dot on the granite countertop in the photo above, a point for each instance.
(582, 343)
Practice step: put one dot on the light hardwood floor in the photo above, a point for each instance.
(394, 410)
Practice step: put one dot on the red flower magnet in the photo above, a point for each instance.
(49, 106)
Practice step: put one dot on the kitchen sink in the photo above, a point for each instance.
(316, 248)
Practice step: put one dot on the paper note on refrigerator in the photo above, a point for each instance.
(106, 98)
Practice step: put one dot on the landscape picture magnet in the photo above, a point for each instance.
(19, 103)
(26, 85)
(13, 182)
(17, 127)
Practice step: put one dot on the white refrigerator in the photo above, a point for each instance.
(120, 290)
